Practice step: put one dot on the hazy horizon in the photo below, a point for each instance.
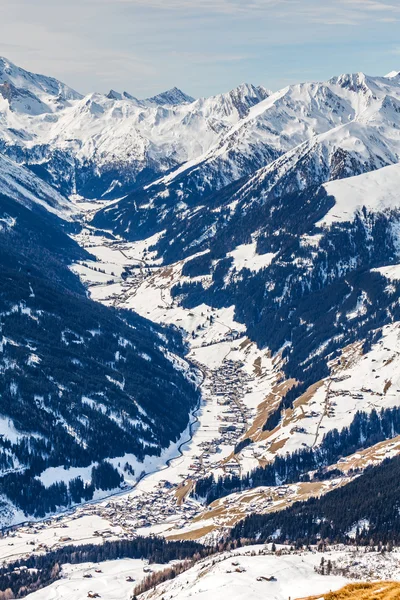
(147, 46)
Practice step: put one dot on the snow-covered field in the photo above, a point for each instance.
(115, 581)
(377, 191)
(243, 574)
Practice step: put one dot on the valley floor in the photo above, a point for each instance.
(240, 386)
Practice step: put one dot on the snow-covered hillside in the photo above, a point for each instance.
(377, 191)
(119, 138)
(32, 94)
(254, 572)
(22, 185)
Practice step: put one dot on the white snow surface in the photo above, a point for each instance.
(246, 257)
(235, 574)
(391, 272)
(111, 583)
(22, 185)
(377, 191)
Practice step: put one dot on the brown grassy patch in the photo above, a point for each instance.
(362, 458)
(267, 407)
(275, 446)
(166, 273)
(257, 367)
(387, 386)
(183, 491)
(380, 590)
(388, 361)
(191, 535)
(245, 343)
(308, 394)
(227, 516)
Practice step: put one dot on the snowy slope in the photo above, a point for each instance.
(113, 582)
(22, 185)
(377, 191)
(30, 93)
(238, 574)
(358, 382)
(171, 97)
(299, 113)
(168, 134)
(232, 573)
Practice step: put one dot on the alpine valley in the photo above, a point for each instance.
(199, 340)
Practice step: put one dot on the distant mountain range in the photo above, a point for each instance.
(105, 145)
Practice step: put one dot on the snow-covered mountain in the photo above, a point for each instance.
(171, 97)
(32, 94)
(101, 145)
(20, 184)
(303, 135)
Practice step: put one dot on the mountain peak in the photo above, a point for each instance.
(248, 90)
(113, 95)
(392, 75)
(41, 86)
(246, 95)
(173, 96)
(354, 82)
(5, 63)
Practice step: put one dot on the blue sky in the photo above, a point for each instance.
(203, 47)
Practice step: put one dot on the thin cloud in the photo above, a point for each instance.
(333, 12)
(370, 5)
(146, 45)
(204, 58)
(213, 6)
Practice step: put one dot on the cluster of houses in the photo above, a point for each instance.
(136, 511)
(229, 385)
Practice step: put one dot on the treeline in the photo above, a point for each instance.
(25, 576)
(154, 579)
(30, 495)
(365, 511)
(365, 430)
